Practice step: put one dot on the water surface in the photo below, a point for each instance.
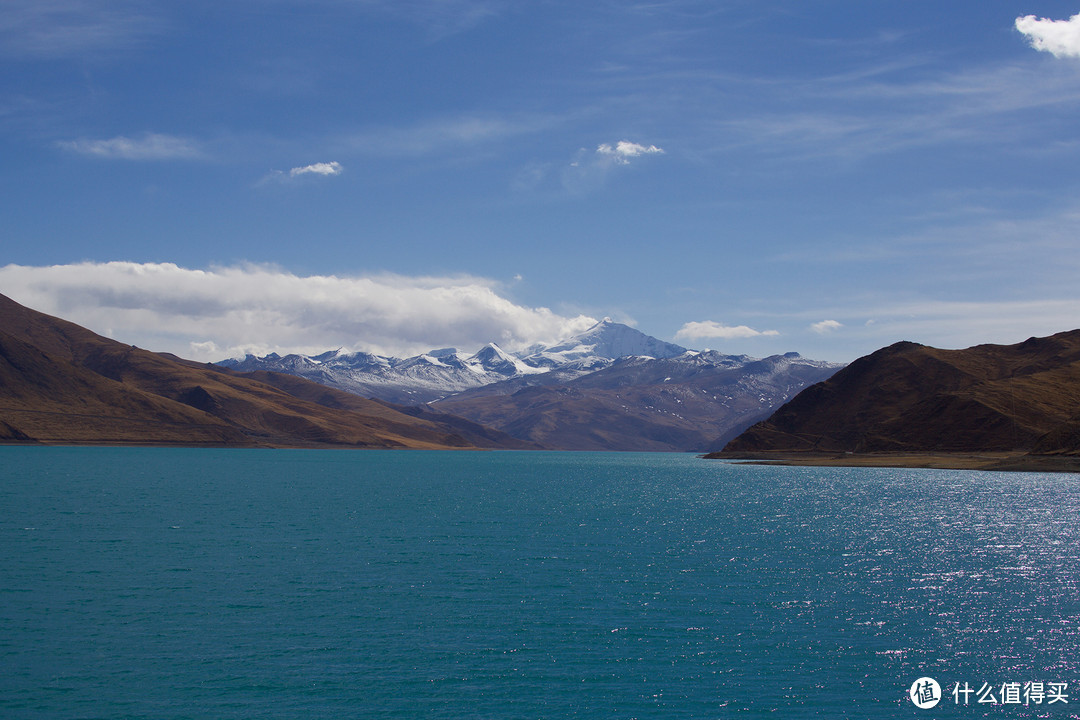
(194, 583)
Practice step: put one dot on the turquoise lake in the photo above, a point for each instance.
(189, 583)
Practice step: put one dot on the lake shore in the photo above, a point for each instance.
(1000, 461)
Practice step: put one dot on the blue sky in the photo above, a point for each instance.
(822, 176)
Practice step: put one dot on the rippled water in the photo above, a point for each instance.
(165, 583)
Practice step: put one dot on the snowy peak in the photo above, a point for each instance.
(605, 339)
(492, 358)
(437, 374)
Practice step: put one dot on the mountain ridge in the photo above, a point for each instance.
(907, 397)
(62, 383)
(437, 374)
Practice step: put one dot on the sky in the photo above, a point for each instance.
(822, 176)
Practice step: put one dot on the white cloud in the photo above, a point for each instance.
(150, 146)
(322, 169)
(624, 150)
(590, 169)
(330, 168)
(826, 326)
(1060, 38)
(607, 155)
(227, 311)
(712, 329)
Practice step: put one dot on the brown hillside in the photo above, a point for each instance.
(570, 418)
(472, 432)
(49, 400)
(61, 383)
(910, 397)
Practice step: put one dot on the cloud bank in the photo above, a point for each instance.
(712, 329)
(1060, 38)
(224, 312)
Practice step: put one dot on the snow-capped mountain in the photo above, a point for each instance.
(494, 360)
(440, 373)
(415, 380)
(608, 388)
(605, 340)
(608, 358)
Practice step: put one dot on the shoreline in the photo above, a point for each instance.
(993, 461)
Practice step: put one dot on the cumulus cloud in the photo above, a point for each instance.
(712, 329)
(149, 146)
(590, 169)
(624, 151)
(229, 311)
(330, 168)
(1060, 38)
(826, 326)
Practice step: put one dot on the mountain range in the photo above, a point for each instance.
(611, 387)
(994, 406)
(437, 374)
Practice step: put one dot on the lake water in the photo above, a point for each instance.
(185, 583)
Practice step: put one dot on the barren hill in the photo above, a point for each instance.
(62, 383)
(909, 397)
